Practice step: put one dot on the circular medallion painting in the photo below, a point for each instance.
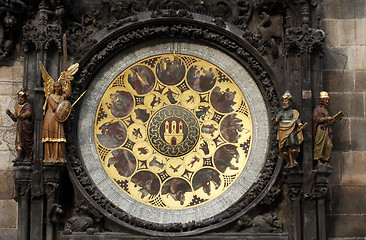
(173, 131)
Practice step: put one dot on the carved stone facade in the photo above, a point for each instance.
(282, 46)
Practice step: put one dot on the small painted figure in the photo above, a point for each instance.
(121, 103)
(176, 188)
(147, 182)
(142, 79)
(24, 117)
(231, 127)
(223, 100)
(171, 96)
(289, 133)
(113, 134)
(223, 157)
(203, 179)
(322, 130)
(123, 161)
(53, 135)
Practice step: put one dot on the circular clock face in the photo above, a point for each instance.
(173, 135)
(173, 131)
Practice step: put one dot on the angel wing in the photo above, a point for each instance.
(48, 81)
(68, 75)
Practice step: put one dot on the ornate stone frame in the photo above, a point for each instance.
(227, 41)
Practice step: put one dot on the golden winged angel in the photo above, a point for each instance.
(53, 135)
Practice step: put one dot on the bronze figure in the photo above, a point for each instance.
(289, 133)
(53, 135)
(24, 117)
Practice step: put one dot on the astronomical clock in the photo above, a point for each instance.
(173, 133)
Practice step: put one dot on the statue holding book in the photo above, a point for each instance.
(322, 130)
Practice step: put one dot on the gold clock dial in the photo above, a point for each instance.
(173, 131)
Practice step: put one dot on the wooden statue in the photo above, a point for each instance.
(24, 117)
(289, 133)
(53, 135)
(322, 130)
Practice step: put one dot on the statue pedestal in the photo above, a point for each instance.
(22, 179)
(52, 176)
(294, 180)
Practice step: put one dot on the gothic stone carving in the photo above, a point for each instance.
(262, 20)
(11, 18)
(46, 32)
(266, 223)
(85, 219)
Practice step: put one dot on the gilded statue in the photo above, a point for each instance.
(289, 133)
(24, 117)
(322, 130)
(53, 135)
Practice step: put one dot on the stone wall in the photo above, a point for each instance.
(11, 79)
(344, 76)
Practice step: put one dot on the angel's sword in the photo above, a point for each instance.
(64, 49)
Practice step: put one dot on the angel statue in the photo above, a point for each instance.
(53, 135)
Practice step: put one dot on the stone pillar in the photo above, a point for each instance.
(321, 190)
(294, 180)
(22, 179)
(52, 176)
(307, 40)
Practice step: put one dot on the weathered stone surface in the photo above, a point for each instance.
(358, 135)
(6, 157)
(354, 55)
(339, 81)
(17, 72)
(347, 32)
(344, 9)
(360, 57)
(336, 161)
(7, 137)
(353, 169)
(9, 214)
(8, 234)
(6, 88)
(360, 81)
(346, 225)
(7, 102)
(6, 184)
(352, 104)
(360, 31)
(351, 56)
(341, 135)
(6, 73)
(345, 200)
(336, 58)
(331, 27)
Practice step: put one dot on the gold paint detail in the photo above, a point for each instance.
(53, 140)
(173, 131)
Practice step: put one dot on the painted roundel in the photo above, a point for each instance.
(173, 131)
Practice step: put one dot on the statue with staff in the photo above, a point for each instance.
(289, 133)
